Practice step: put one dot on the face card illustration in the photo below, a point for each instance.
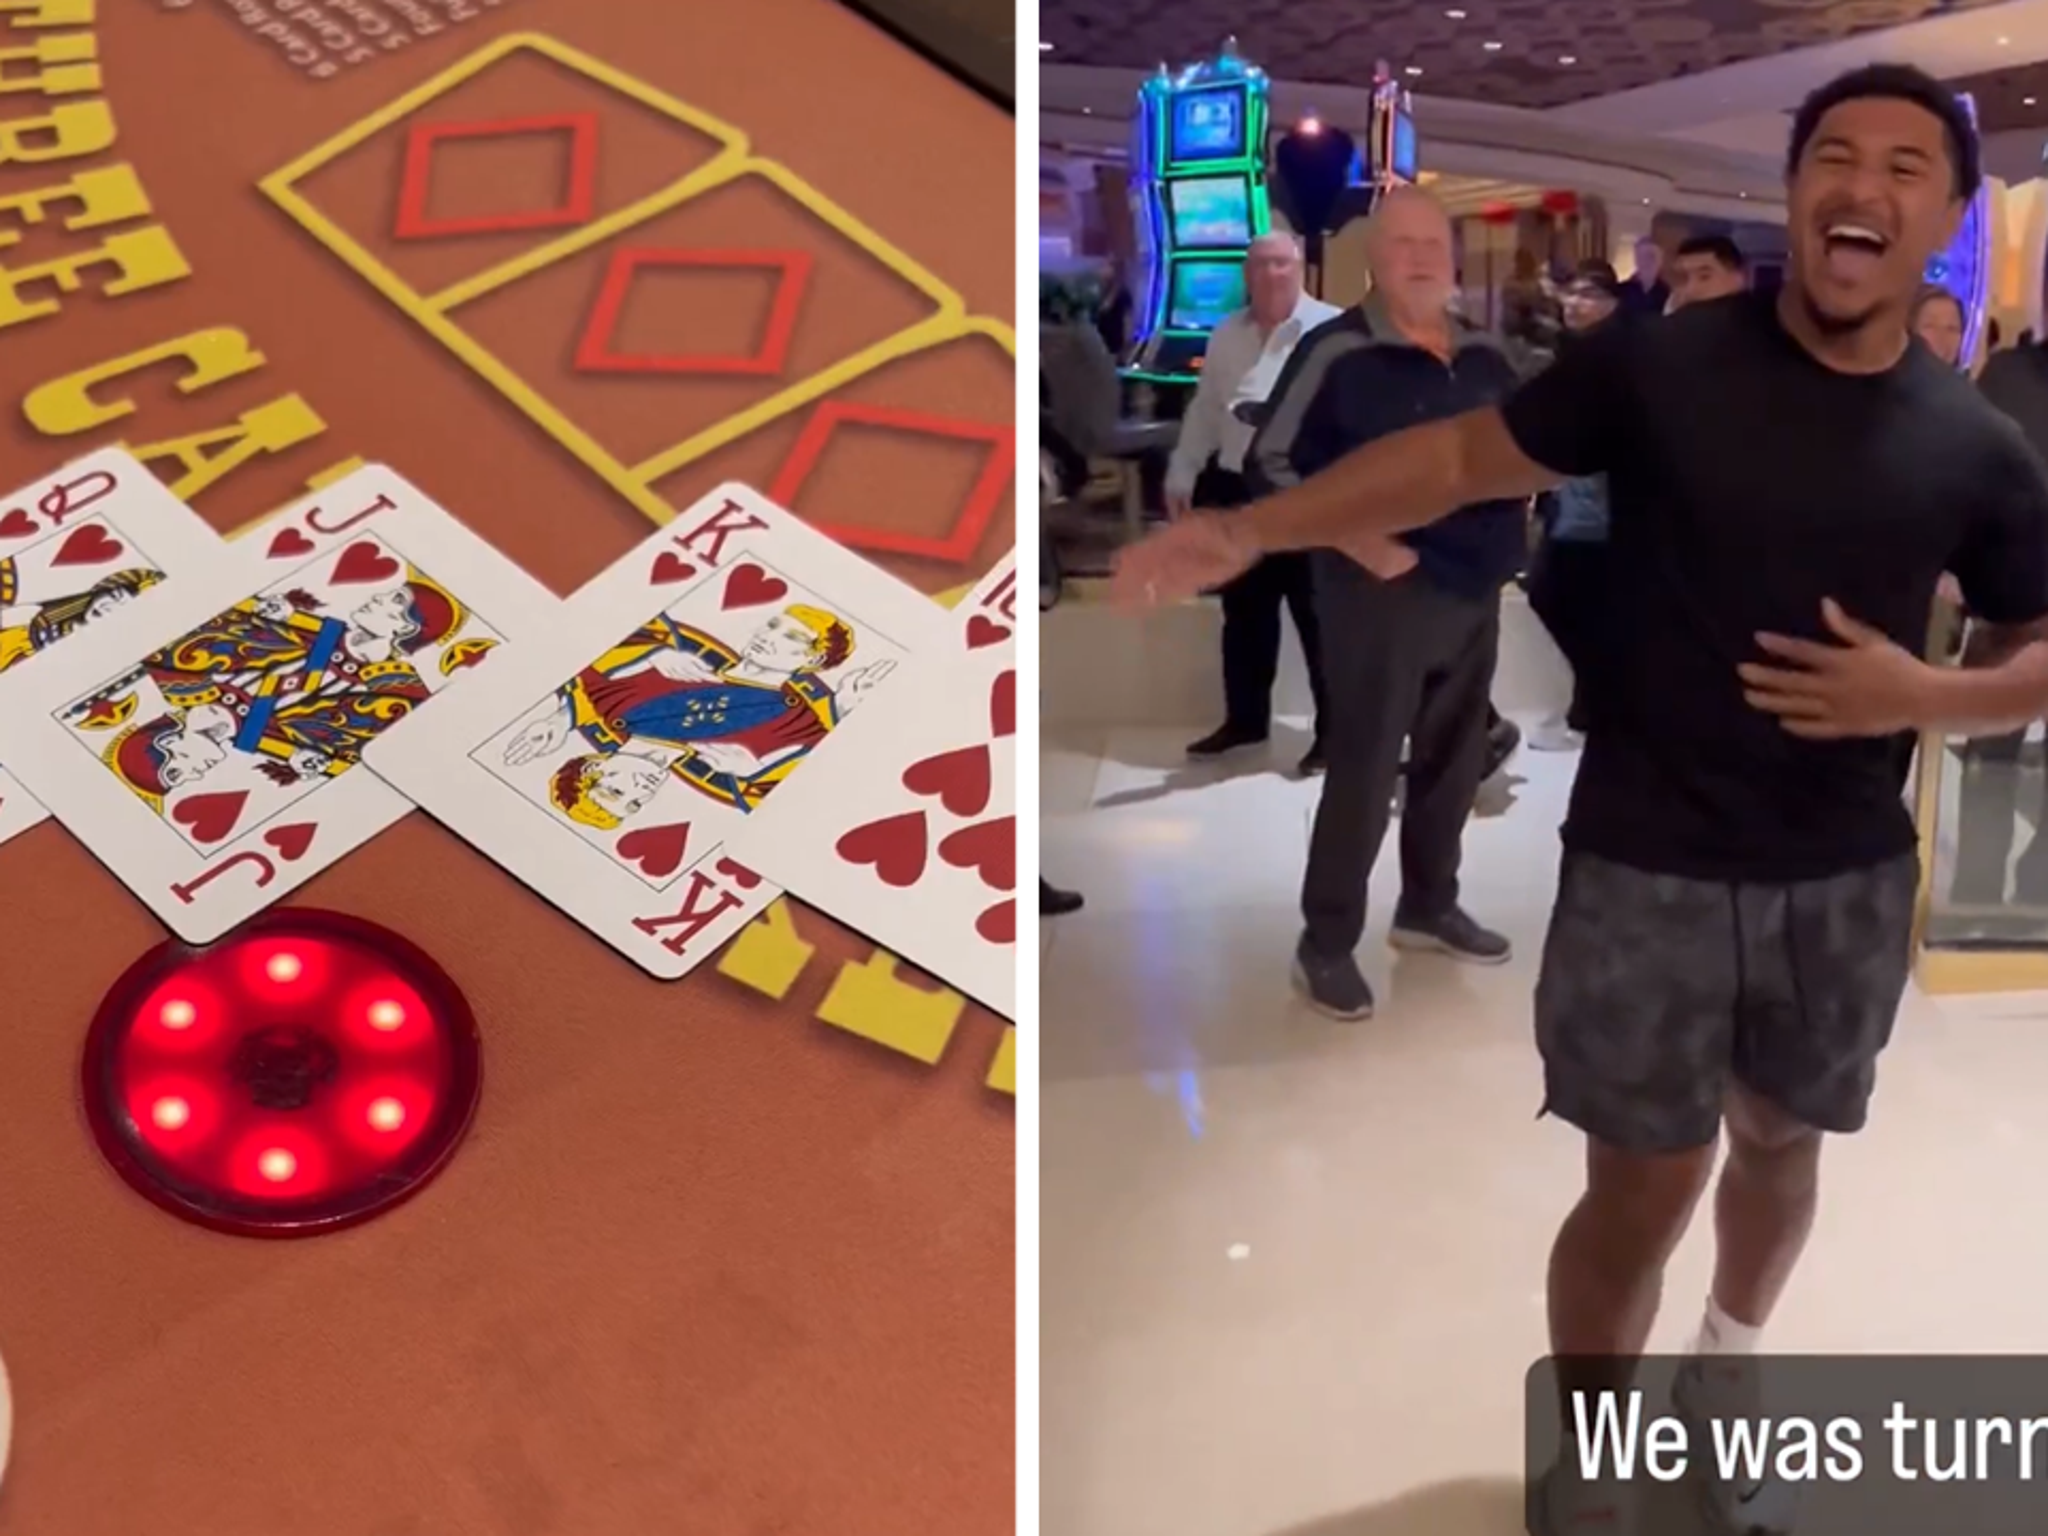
(906, 829)
(207, 751)
(76, 547)
(675, 696)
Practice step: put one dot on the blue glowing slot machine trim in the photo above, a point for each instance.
(1963, 267)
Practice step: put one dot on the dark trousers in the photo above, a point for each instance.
(1406, 662)
(1251, 619)
(1567, 593)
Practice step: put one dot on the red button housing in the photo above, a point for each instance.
(304, 1074)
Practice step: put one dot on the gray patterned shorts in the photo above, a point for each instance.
(1656, 991)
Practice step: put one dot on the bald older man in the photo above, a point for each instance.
(1409, 635)
(1245, 358)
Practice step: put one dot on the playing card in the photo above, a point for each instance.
(606, 765)
(98, 535)
(905, 829)
(205, 748)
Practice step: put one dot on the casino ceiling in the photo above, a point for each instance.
(1524, 53)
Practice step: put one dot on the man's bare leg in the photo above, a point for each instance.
(1607, 1266)
(1763, 1207)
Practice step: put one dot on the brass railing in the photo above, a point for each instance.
(1982, 810)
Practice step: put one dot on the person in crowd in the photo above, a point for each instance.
(1410, 627)
(1530, 319)
(1790, 475)
(1245, 358)
(1565, 586)
(1707, 267)
(1938, 321)
(1646, 292)
(1113, 310)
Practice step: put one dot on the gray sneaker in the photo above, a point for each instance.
(1561, 1503)
(1454, 934)
(1728, 1389)
(1333, 987)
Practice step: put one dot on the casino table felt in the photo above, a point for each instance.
(727, 1257)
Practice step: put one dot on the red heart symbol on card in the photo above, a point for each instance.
(289, 542)
(895, 846)
(90, 545)
(17, 525)
(211, 817)
(1002, 706)
(364, 562)
(959, 778)
(749, 586)
(657, 850)
(738, 874)
(670, 566)
(982, 630)
(292, 842)
(989, 849)
(999, 923)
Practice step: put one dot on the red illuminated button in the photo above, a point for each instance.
(304, 1074)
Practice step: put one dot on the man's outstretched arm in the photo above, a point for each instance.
(1403, 481)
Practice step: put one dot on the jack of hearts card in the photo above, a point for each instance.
(905, 829)
(677, 694)
(207, 749)
(96, 537)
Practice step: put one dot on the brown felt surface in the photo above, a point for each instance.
(706, 1265)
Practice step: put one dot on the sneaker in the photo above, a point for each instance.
(1726, 1388)
(1054, 902)
(1335, 988)
(1454, 934)
(1554, 735)
(1501, 740)
(1314, 765)
(1563, 1503)
(1226, 738)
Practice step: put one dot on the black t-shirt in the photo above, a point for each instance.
(1748, 481)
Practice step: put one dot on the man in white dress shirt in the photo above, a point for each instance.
(1245, 357)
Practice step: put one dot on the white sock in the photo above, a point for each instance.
(1721, 1334)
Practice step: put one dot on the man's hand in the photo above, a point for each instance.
(1863, 686)
(1178, 505)
(726, 757)
(1201, 551)
(1388, 559)
(856, 685)
(537, 740)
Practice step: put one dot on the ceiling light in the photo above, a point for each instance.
(1045, 47)
(1491, 47)
(1567, 58)
(1455, 15)
(2026, 101)
(2004, 42)
(1412, 70)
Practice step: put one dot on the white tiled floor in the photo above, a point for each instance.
(1292, 1270)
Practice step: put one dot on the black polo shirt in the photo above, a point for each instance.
(1362, 379)
(1748, 482)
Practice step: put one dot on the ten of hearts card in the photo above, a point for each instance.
(681, 691)
(906, 829)
(207, 749)
(97, 537)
